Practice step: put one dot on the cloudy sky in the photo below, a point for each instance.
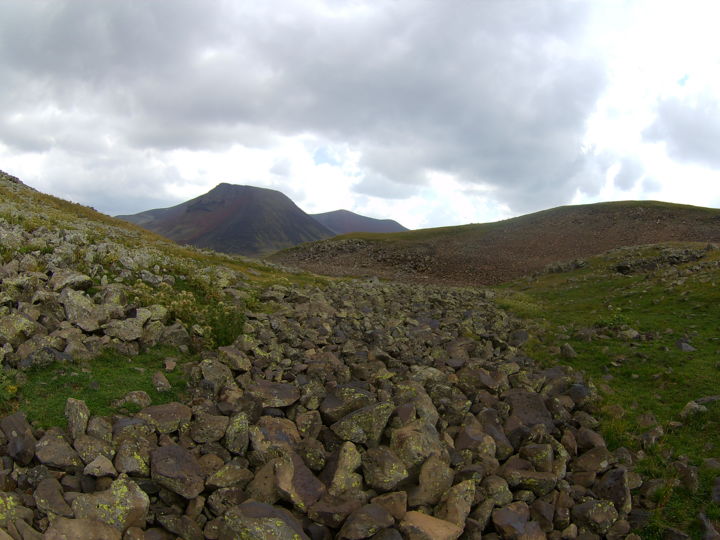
(429, 112)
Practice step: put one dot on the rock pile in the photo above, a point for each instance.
(360, 410)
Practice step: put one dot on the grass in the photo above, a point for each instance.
(99, 382)
(646, 376)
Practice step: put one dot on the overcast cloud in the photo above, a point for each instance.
(429, 112)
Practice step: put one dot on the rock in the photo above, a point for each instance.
(176, 469)
(382, 469)
(53, 450)
(343, 400)
(365, 522)
(232, 473)
(529, 408)
(709, 530)
(512, 520)
(183, 526)
(344, 477)
(296, 483)
(208, 428)
(234, 358)
(272, 394)
(137, 398)
(597, 516)
(160, 382)
(567, 351)
(122, 506)
(259, 521)
(436, 477)
(63, 528)
(692, 408)
(614, 487)
(395, 503)
(99, 467)
(15, 328)
(77, 414)
(12, 510)
(21, 442)
(456, 503)
(418, 526)
(49, 499)
(364, 426)
(168, 417)
(237, 434)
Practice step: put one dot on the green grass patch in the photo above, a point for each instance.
(649, 375)
(99, 382)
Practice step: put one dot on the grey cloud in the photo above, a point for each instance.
(496, 93)
(631, 170)
(689, 129)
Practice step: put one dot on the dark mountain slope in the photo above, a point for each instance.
(344, 221)
(482, 254)
(235, 219)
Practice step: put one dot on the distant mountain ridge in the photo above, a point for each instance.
(235, 219)
(344, 221)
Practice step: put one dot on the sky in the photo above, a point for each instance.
(428, 112)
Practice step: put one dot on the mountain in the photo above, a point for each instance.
(491, 253)
(235, 219)
(344, 221)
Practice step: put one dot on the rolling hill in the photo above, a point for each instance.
(491, 253)
(344, 221)
(235, 219)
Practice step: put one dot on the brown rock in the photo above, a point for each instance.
(176, 469)
(272, 394)
(383, 470)
(53, 450)
(49, 499)
(417, 526)
(21, 443)
(365, 522)
(259, 521)
(167, 417)
(296, 483)
(122, 506)
(77, 414)
(74, 529)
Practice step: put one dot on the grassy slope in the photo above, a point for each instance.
(42, 392)
(642, 376)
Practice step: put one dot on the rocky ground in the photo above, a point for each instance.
(355, 410)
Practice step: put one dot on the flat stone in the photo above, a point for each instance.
(167, 417)
(63, 528)
(418, 526)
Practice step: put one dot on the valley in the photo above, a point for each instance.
(550, 376)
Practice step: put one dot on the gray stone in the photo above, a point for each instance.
(176, 469)
(77, 414)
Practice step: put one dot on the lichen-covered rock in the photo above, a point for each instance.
(122, 506)
(364, 426)
(259, 521)
(167, 417)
